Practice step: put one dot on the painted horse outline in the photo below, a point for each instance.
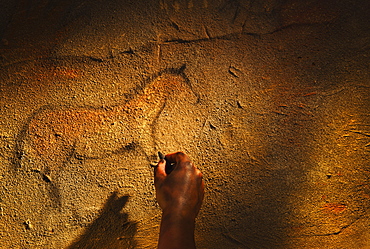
(53, 136)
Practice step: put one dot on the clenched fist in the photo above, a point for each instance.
(180, 191)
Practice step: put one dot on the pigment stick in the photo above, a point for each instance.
(161, 156)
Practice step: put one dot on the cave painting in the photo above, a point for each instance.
(55, 135)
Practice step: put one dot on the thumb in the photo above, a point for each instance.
(160, 172)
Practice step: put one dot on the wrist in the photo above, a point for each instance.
(179, 212)
(177, 231)
(178, 216)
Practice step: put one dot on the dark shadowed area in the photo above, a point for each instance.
(111, 229)
(270, 99)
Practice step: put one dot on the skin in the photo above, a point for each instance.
(180, 195)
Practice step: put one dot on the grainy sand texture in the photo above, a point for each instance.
(269, 98)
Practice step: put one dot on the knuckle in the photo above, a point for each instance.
(180, 153)
(182, 156)
(198, 172)
(187, 164)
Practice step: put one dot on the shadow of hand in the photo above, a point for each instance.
(111, 229)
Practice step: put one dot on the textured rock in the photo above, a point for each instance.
(269, 98)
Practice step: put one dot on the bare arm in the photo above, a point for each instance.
(180, 195)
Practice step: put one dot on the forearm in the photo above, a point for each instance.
(180, 194)
(176, 232)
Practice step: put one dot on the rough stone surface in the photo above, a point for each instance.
(270, 99)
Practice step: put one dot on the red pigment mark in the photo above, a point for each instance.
(335, 208)
(54, 134)
(296, 228)
(56, 72)
(340, 174)
(68, 73)
(309, 94)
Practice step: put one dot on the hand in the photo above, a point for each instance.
(180, 194)
(182, 190)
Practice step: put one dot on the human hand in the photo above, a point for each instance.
(180, 194)
(180, 191)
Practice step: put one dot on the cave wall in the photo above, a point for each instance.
(270, 99)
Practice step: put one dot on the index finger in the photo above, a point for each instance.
(177, 157)
(178, 160)
(159, 172)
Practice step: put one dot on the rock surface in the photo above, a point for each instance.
(270, 99)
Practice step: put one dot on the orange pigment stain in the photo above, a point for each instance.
(53, 134)
(334, 208)
(309, 94)
(287, 100)
(57, 73)
(69, 73)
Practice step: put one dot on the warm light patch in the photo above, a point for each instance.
(334, 208)
(54, 135)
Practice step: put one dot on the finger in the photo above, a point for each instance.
(177, 161)
(199, 174)
(201, 194)
(160, 172)
(202, 189)
(200, 178)
(200, 182)
(177, 157)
